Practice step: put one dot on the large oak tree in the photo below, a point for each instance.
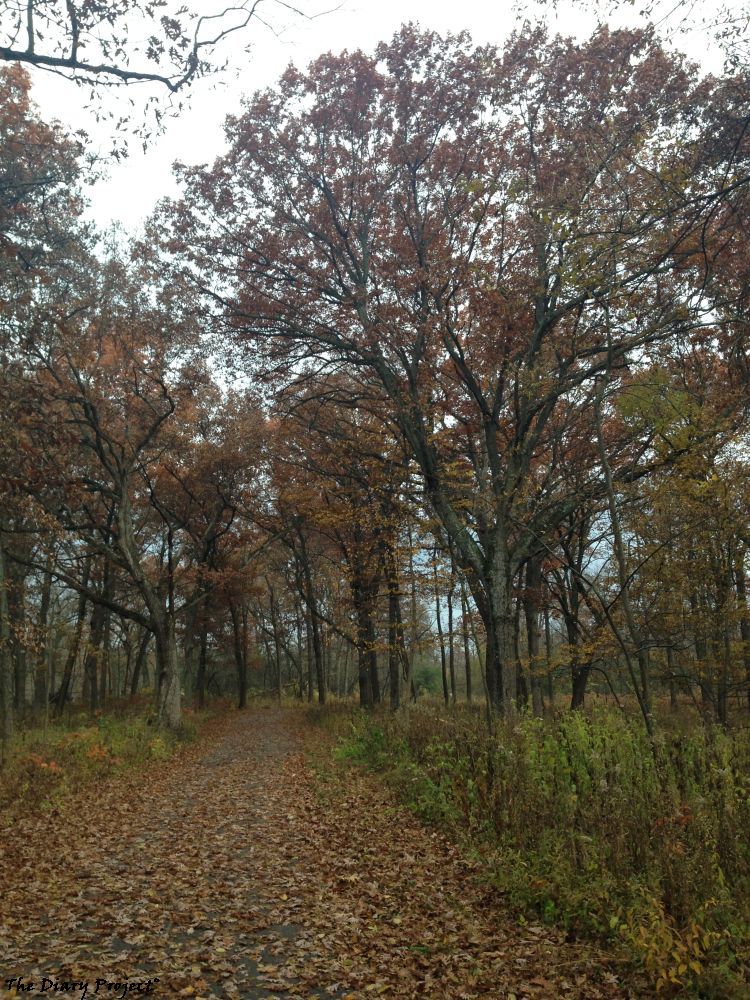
(488, 234)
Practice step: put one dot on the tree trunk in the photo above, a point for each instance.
(672, 681)
(372, 658)
(364, 592)
(548, 653)
(41, 669)
(63, 694)
(570, 597)
(741, 586)
(344, 691)
(104, 665)
(641, 680)
(398, 661)
(140, 659)
(239, 636)
(320, 673)
(6, 669)
(502, 663)
(465, 636)
(312, 605)
(200, 677)
(413, 613)
(701, 655)
(245, 653)
(722, 700)
(493, 597)
(522, 686)
(394, 665)
(439, 621)
(123, 678)
(93, 655)
(531, 601)
(365, 692)
(190, 646)
(276, 640)
(580, 669)
(168, 670)
(580, 674)
(169, 694)
(451, 651)
(17, 610)
(310, 660)
(366, 699)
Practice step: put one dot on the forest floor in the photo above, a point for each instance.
(233, 870)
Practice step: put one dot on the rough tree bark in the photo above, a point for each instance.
(6, 666)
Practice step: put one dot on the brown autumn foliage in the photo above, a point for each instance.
(441, 221)
(442, 363)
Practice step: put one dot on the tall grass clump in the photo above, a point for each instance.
(588, 825)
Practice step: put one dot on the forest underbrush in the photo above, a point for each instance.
(581, 823)
(50, 760)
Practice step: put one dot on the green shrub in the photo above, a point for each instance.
(366, 744)
(591, 828)
(428, 679)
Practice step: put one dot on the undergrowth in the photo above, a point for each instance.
(44, 765)
(583, 826)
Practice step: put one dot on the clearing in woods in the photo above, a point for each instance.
(229, 871)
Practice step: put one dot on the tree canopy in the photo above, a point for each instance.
(485, 309)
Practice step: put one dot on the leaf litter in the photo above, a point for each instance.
(230, 871)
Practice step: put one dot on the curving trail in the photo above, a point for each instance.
(231, 871)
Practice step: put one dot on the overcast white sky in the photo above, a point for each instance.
(132, 188)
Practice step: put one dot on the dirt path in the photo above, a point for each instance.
(227, 873)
